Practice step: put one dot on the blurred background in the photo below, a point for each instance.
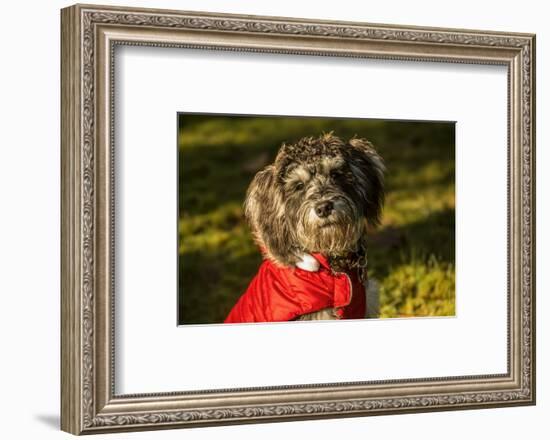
(411, 254)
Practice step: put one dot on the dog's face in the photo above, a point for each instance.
(317, 196)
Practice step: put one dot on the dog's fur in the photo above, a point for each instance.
(318, 196)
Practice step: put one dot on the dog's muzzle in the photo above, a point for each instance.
(324, 209)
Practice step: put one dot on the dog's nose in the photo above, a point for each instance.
(324, 209)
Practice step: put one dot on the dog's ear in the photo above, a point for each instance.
(265, 212)
(369, 169)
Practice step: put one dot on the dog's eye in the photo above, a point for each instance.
(335, 173)
(299, 186)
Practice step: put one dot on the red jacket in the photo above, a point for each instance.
(284, 293)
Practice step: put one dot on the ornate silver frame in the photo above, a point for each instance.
(88, 37)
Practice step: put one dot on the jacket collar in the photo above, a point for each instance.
(320, 258)
(323, 260)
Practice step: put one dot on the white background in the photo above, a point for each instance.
(29, 237)
(152, 84)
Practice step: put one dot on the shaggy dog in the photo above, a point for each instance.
(308, 212)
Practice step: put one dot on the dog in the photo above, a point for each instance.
(308, 212)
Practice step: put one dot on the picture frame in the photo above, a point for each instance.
(89, 35)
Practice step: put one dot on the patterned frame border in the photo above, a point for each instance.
(88, 400)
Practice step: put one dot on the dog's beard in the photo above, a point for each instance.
(334, 235)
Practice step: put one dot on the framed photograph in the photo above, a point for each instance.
(409, 235)
(269, 219)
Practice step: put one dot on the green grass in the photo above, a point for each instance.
(411, 253)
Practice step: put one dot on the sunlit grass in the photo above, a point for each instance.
(419, 288)
(411, 253)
